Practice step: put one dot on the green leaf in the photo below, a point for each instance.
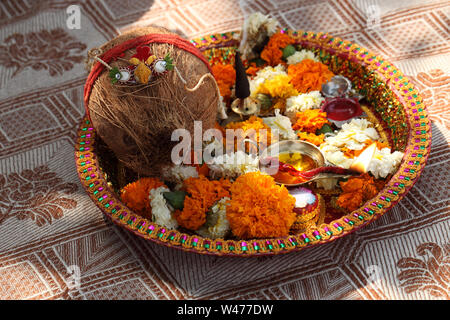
(288, 51)
(326, 128)
(265, 100)
(112, 74)
(175, 199)
(169, 62)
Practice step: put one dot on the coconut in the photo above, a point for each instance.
(137, 121)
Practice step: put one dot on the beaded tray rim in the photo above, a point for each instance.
(416, 154)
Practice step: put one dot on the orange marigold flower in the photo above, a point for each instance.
(310, 120)
(260, 208)
(272, 55)
(356, 190)
(315, 139)
(350, 201)
(202, 194)
(309, 75)
(225, 76)
(224, 89)
(272, 52)
(353, 184)
(135, 195)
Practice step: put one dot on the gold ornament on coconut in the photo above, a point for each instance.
(136, 121)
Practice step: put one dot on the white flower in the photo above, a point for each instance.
(299, 56)
(302, 102)
(177, 174)
(262, 75)
(161, 212)
(255, 30)
(281, 124)
(232, 165)
(353, 136)
(384, 162)
(336, 157)
(256, 20)
(217, 225)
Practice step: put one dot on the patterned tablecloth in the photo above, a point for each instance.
(55, 243)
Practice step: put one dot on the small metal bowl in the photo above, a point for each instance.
(268, 162)
(337, 87)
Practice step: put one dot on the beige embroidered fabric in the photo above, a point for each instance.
(56, 244)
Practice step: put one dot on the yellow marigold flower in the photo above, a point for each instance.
(278, 87)
(311, 137)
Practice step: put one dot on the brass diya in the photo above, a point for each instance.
(300, 156)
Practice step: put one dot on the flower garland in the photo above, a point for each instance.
(135, 195)
(309, 75)
(202, 194)
(259, 207)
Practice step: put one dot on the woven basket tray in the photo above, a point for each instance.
(394, 101)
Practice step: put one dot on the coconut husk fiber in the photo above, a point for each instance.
(137, 121)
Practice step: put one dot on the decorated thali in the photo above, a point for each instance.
(351, 134)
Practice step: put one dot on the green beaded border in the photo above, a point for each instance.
(416, 154)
